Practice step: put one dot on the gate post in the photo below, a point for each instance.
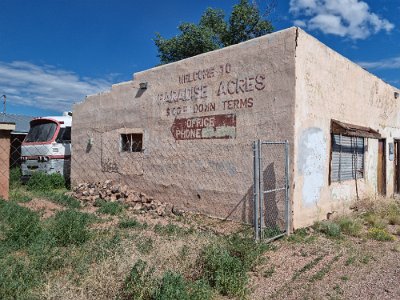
(288, 210)
(256, 188)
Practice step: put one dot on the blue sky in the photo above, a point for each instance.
(54, 52)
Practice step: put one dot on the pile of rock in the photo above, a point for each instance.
(108, 191)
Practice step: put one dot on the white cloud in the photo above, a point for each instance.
(46, 86)
(389, 63)
(345, 18)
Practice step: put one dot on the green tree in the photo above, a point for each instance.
(214, 31)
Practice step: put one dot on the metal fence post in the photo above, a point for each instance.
(287, 187)
(262, 194)
(256, 188)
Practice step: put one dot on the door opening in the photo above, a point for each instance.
(381, 168)
(396, 162)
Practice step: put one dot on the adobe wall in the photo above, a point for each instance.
(199, 118)
(330, 86)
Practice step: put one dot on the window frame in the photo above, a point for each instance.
(130, 142)
(356, 171)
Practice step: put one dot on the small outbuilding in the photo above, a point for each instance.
(22, 125)
(5, 140)
(184, 132)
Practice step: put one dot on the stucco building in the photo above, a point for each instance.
(183, 132)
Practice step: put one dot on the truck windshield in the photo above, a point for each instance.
(41, 132)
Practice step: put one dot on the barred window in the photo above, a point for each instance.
(347, 157)
(132, 142)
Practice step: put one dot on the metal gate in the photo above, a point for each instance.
(271, 209)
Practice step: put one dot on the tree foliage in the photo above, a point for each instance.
(214, 31)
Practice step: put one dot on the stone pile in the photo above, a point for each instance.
(108, 191)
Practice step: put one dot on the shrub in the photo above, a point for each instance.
(350, 226)
(246, 249)
(41, 182)
(70, 227)
(139, 284)
(224, 272)
(21, 224)
(172, 287)
(375, 220)
(200, 290)
(380, 234)
(394, 219)
(328, 228)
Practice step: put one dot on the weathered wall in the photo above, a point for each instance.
(247, 89)
(329, 86)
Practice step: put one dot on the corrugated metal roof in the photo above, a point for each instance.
(21, 121)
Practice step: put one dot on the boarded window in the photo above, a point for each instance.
(132, 142)
(347, 157)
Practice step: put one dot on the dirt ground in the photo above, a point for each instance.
(329, 269)
(46, 208)
(307, 267)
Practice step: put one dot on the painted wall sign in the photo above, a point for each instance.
(215, 89)
(206, 127)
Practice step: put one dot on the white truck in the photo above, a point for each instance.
(47, 147)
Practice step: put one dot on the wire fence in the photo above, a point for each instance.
(271, 189)
(213, 177)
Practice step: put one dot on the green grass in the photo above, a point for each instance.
(109, 208)
(70, 227)
(248, 251)
(171, 230)
(17, 279)
(173, 286)
(325, 269)
(15, 177)
(224, 272)
(59, 197)
(30, 246)
(271, 232)
(21, 226)
(41, 182)
(301, 236)
(310, 265)
(18, 195)
(131, 223)
(139, 284)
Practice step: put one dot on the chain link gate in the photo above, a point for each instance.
(271, 209)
